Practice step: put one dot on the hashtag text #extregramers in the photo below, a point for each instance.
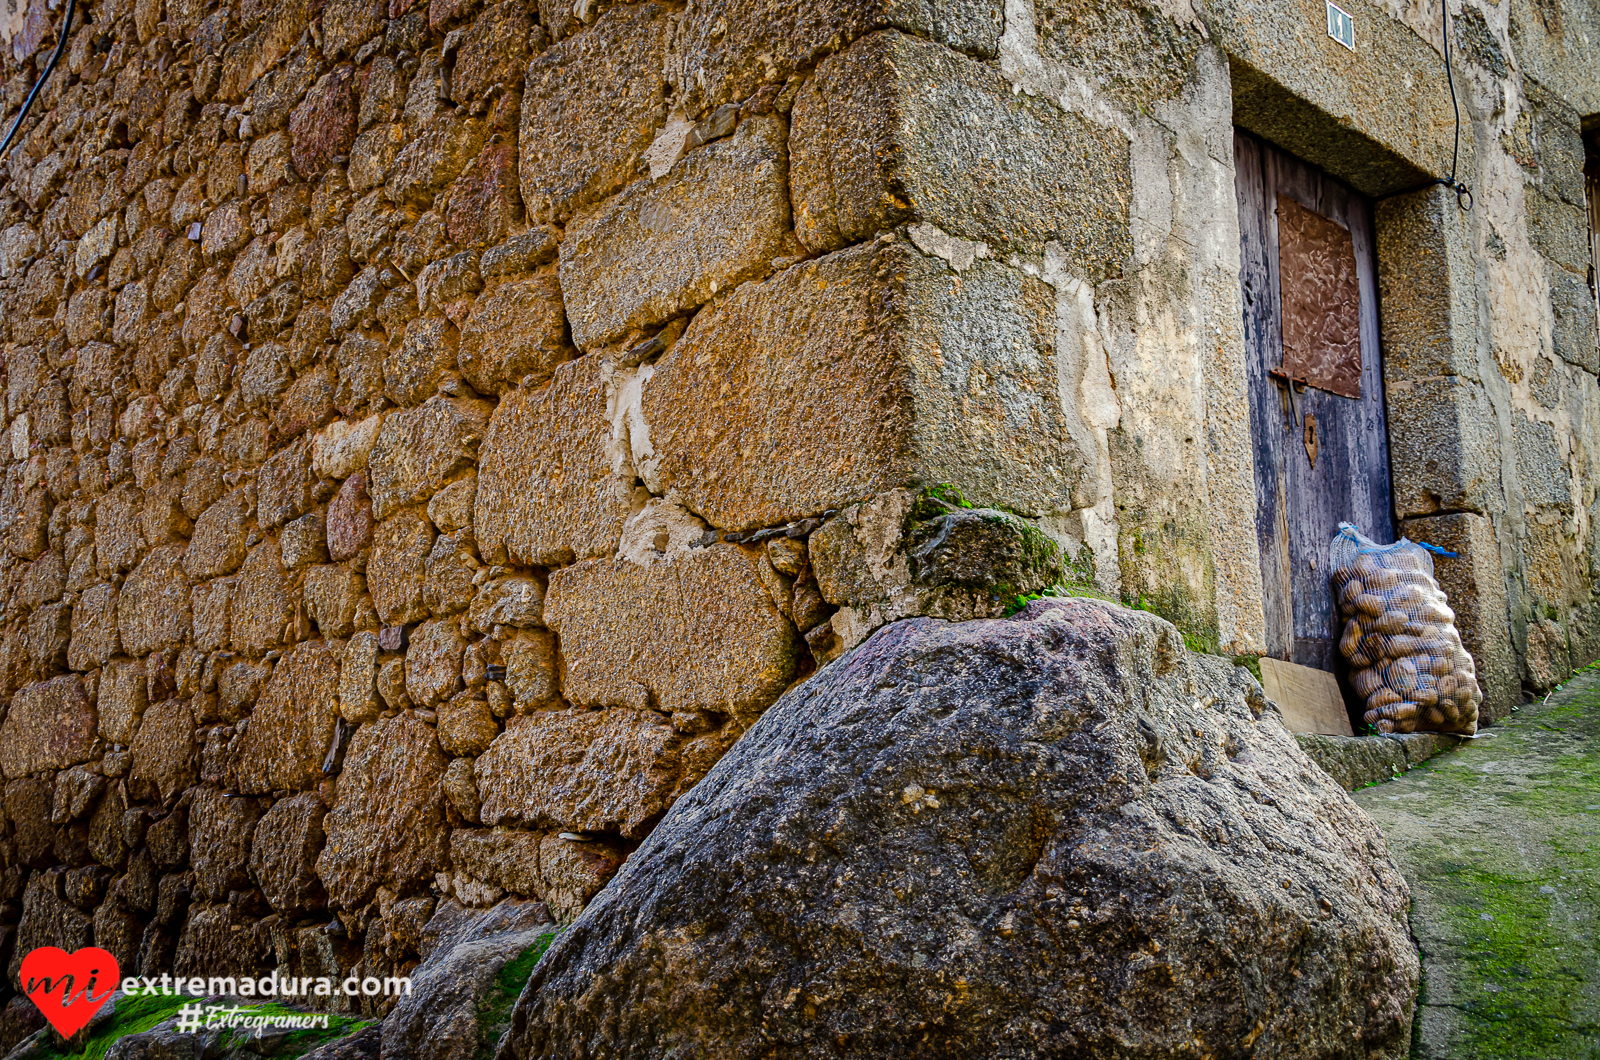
(196, 1017)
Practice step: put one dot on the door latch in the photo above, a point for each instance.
(1288, 387)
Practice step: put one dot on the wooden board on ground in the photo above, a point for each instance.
(1309, 699)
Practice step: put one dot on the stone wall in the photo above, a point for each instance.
(435, 432)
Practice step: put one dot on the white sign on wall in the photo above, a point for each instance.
(1341, 27)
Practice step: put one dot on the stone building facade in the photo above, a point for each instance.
(436, 429)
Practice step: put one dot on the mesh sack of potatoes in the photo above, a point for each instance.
(1406, 658)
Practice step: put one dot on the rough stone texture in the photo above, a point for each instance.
(1426, 325)
(123, 696)
(221, 835)
(336, 600)
(451, 566)
(729, 51)
(451, 508)
(1474, 584)
(218, 545)
(1356, 761)
(696, 631)
(546, 491)
(1447, 457)
(50, 725)
(436, 155)
(28, 805)
(802, 393)
(165, 756)
(261, 605)
(460, 1000)
(283, 857)
(211, 604)
(516, 331)
(484, 206)
(660, 249)
(324, 124)
(461, 789)
(896, 130)
(215, 941)
(573, 872)
(1547, 659)
(349, 519)
(412, 373)
(603, 771)
(47, 920)
(94, 629)
(418, 450)
(396, 572)
(265, 268)
(358, 693)
(531, 663)
(46, 638)
(285, 486)
(292, 724)
(341, 449)
(433, 663)
(387, 827)
(1130, 796)
(507, 859)
(591, 105)
(903, 554)
(1289, 89)
(466, 725)
(516, 602)
(153, 609)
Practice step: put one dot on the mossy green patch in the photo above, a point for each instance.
(494, 1010)
(1500, 842)
(1198, 626)
(1165, 560)
(135, 1015)
(936, 499)
(1530, 970)
(1060, 591)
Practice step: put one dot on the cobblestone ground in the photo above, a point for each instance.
(1500, 841)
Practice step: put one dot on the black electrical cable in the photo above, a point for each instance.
(61, 46)
(1463, 193)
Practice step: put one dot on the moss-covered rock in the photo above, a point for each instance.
(475, 962)
(905, 553)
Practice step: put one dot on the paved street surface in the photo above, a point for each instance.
(1500, 841)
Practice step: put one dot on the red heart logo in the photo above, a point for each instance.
(64, 984)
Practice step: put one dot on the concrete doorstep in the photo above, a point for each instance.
(1357, 761)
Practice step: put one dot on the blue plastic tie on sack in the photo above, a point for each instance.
(1437, 551)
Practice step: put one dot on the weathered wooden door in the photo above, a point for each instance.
(1316, 404)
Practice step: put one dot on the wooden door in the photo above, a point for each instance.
(1307, 484)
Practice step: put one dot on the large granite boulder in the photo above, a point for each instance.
(1056, 835)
